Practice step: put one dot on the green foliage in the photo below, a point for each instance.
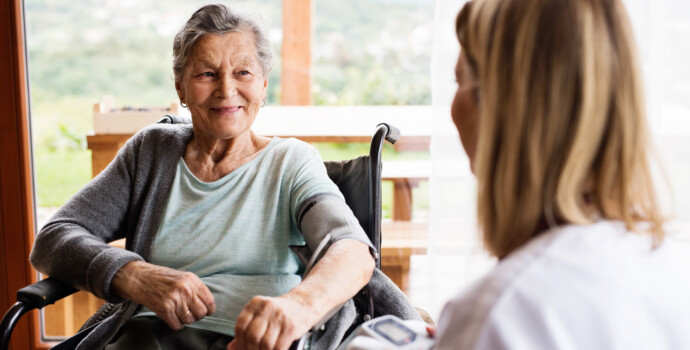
(365, 52)
(59, 175)
(66, 139)
(60, 124)
(372, 52)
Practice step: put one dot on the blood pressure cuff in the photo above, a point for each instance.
(327, 215)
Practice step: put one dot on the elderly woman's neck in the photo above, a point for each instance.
(212, 158)
(217, 149)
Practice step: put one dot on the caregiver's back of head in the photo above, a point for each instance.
(550, 110)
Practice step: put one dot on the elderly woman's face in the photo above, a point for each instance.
(223, 84)
(464, 110)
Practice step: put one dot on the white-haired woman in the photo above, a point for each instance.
(550, 111)
(209, 211)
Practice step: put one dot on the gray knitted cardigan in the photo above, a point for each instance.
(126, 201)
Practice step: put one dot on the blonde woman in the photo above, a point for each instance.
(550, 111)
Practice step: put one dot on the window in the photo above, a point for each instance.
(364, 53)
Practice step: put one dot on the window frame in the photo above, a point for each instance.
(16, 180)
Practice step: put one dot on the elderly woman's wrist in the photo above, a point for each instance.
(308, 300)
(121, 283)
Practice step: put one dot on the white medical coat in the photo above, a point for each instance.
(577, 287)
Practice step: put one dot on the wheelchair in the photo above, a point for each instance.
(358, 179)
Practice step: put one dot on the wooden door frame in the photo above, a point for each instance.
(16, 181)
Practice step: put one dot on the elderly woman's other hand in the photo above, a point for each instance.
(273, 323)
(177, 297)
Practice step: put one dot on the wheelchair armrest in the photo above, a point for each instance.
(35, 296)
(45, 292)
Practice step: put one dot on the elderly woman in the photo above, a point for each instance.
(209, 211)
(550, 111)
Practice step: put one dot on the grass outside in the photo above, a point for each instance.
(60, 174)
(339, 151)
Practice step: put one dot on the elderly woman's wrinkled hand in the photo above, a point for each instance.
(272, 323)
(177, 297)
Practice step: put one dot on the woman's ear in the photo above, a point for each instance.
(180, 91)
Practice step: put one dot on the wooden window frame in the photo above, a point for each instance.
(16, 181)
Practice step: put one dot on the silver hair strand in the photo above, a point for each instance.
(219, 19)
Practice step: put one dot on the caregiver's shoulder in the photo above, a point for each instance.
(570, 275)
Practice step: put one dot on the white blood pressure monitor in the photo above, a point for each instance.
(389, 332)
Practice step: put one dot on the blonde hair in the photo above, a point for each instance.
(563, 135)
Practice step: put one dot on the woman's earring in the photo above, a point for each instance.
(263, 102)
(184, 105)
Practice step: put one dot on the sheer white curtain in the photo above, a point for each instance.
(455, 256)
(662, 30)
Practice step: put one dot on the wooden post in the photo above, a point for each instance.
(296, 70)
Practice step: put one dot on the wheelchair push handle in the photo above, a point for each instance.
(391, 133)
